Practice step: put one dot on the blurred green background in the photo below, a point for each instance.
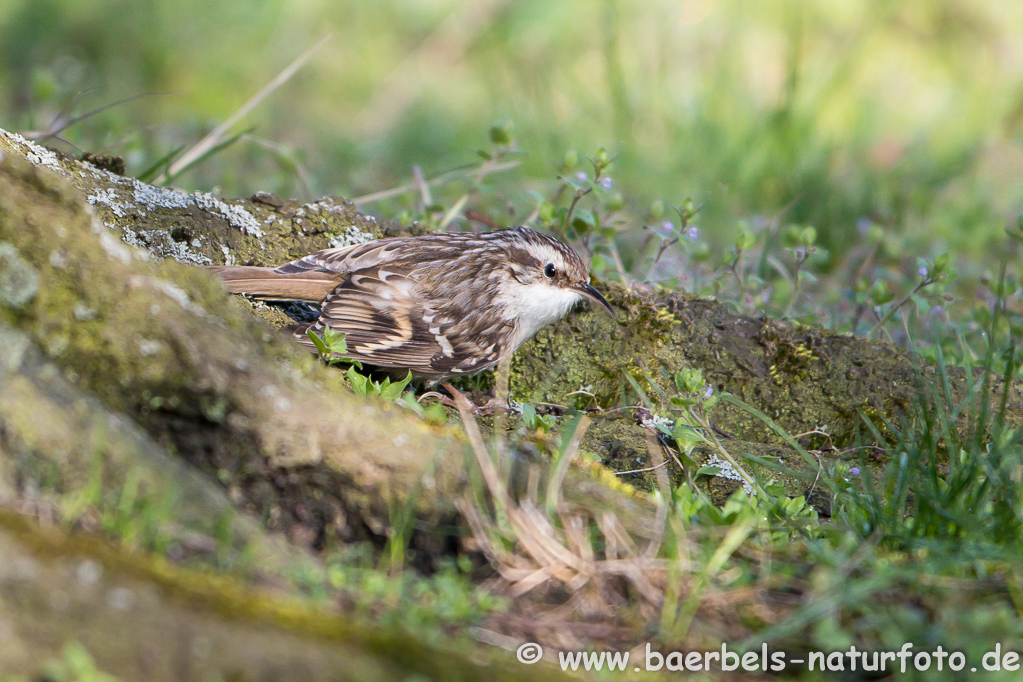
(834, 113)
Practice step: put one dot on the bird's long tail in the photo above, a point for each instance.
(269, 285)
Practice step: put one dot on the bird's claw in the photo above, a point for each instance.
(457, 397)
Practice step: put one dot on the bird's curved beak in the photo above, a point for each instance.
(594, 295)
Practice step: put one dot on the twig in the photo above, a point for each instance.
(926, 282)
(217, 134)
(55, 129)
(421, 186)
(442, 178)
(642, 471)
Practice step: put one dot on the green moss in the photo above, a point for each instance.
(210, 599)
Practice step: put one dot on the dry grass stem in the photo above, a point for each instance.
(216, 135)
(653, 446)
(530, 546)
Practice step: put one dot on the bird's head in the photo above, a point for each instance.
(547, 278)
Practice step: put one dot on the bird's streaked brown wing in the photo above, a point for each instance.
(385, 326)
(345, 259)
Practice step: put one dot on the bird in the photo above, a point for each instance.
(439, 305)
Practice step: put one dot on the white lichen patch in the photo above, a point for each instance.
(161, 245)
(659, 424)
(108, 198)
(38, 156)
(655, 420)
(159, 197)
(235, 215)
(727, 471)
(351, 235)
(228, 256)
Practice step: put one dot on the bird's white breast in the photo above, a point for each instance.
(533, 306)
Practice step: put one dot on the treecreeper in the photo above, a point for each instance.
(440, 305)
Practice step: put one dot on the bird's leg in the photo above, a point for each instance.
(457, 396)
(484, 410)
(453, 399)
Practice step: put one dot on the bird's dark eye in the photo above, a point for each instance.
(550, 270)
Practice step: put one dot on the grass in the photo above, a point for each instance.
(936, 536)
(801, 113)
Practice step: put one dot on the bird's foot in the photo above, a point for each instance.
(457, 399)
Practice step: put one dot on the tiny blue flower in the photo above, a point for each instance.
(922, 272)
(606, 183)
(855, 471)
(693, 233)
(665, 229)
(581, 176)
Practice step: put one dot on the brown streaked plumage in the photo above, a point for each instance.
(440, 304)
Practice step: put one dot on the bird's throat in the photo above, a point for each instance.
(534, 306)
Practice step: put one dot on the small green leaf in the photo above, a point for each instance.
(807, 236)
(574, 183)
(545, 212)
(689, 381)
(656, 209)
(529, 415)
(359, 382)
(583, 219)
(321, 347)
(686, 437)
(745, 241)
(409, 402)
(880, 294)
(499, 134)
(435, 414)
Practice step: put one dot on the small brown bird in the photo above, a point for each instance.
(440, 305)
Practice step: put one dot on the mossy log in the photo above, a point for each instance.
(163, 345)
(76, 602)
(805, 379)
